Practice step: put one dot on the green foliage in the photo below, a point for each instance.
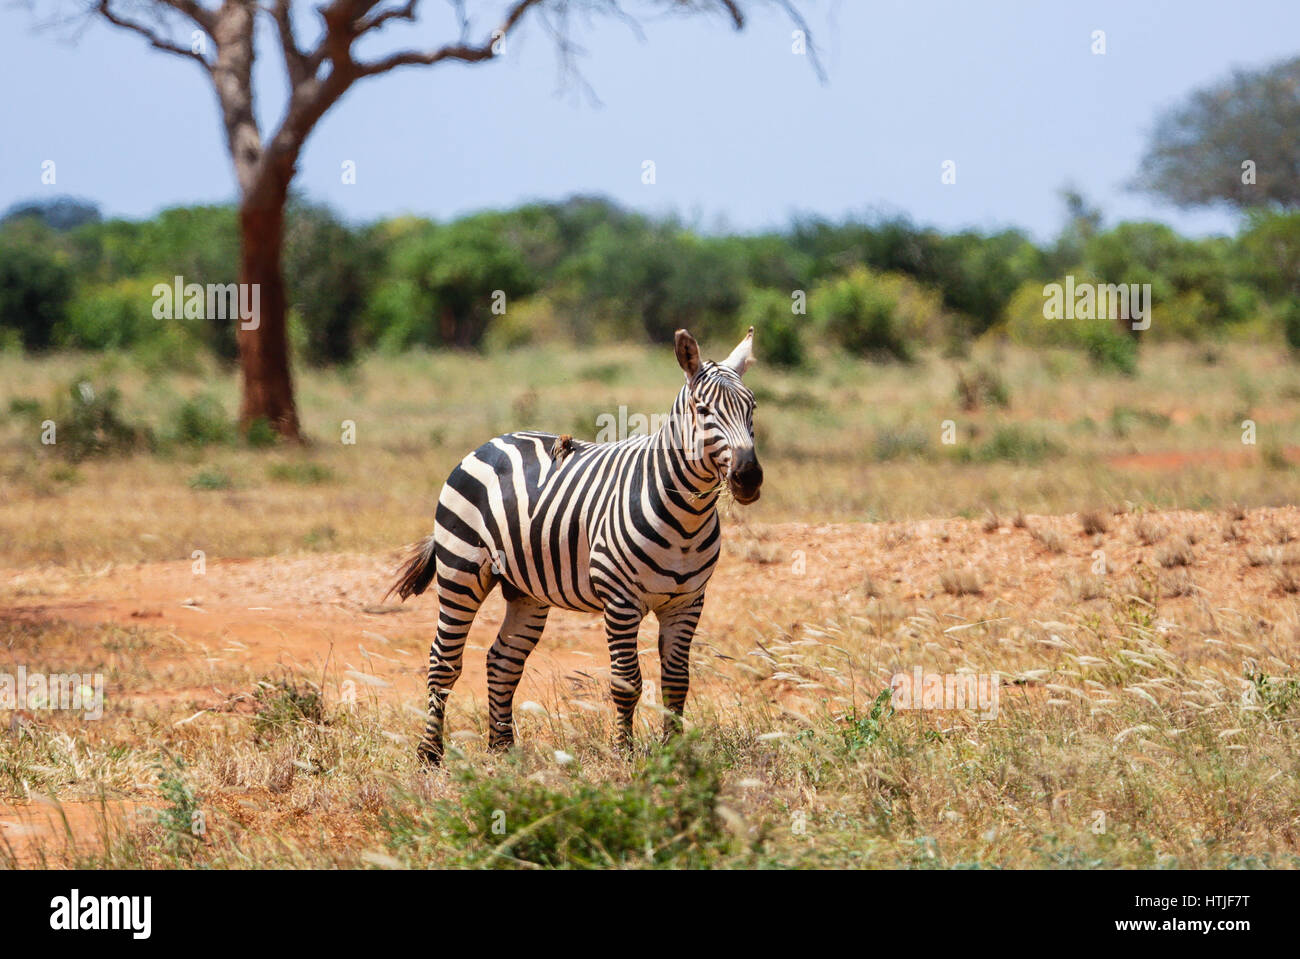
(861, 730)
(898, 443)
(181, 818)
(585, 270)
(1106, 345)
(36, 284)
(861, 316)
(981, 386)
(281, 705)
(260, 434)
(1014, 444)
(443, 283)
(327, 268)
(1196, 152)
(666, 816)
(211, 479)
(89, 423)
(112, 316)
(1276, 696)
(1109, 349)
(1291, 322)
(778, 331)
(201, 421)
(58, 213)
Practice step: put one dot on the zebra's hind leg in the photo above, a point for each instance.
(621, 625)
(522, 628)
(461, 591)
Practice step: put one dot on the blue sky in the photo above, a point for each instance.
(742, 133)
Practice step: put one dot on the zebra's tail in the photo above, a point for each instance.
(418, 572)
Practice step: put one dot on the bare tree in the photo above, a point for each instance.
(318, 76)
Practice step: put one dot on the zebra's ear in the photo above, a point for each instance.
(742, 357)
(688, 353)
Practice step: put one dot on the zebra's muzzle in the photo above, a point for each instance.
(745, 478)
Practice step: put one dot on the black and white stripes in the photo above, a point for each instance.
(622, 529)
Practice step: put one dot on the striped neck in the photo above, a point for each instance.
(690, 482)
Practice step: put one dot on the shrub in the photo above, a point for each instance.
(777, 331)
(260, 434)
(860, 314)
(36, 286)
(666, 816)
(982, 385)
(210, 479)
(1291, 322)
(901, 442)
(1109, 349)
(113, 316)
(279, 706)
(201, 421)
(89, 423)
(1106, 345)
(1014, 444)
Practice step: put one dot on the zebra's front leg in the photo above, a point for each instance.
(520, 630)
(676, 630)
(622, 622)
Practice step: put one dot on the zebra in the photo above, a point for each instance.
(622, 529)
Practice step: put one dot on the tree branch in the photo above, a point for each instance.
(467, 53)
(377, 20)
(296, 63)
(200, 15)
(156, 40)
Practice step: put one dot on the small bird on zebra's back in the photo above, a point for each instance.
(622, 529)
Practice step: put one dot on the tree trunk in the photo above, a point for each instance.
(264, 347)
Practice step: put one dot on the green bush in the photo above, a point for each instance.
(210, 479)
(119, 315)
(980, 386)
(1109, 349)
(1014, 444)
(778, 337)
(89, 423)
(36, 286)
(1106, 345)
(666, 816)
(860, 314)
(1291, 322)
(901, 442)
(201, 421)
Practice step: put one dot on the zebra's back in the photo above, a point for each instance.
(517, 505)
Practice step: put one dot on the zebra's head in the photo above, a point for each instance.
(723, 412)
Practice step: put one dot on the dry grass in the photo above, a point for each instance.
(1163, 694)
(1094, 522)
(1123, 702)
(1178, 552)
(417, 414)
(961, 582)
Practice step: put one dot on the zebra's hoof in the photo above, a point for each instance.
(428, 757)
